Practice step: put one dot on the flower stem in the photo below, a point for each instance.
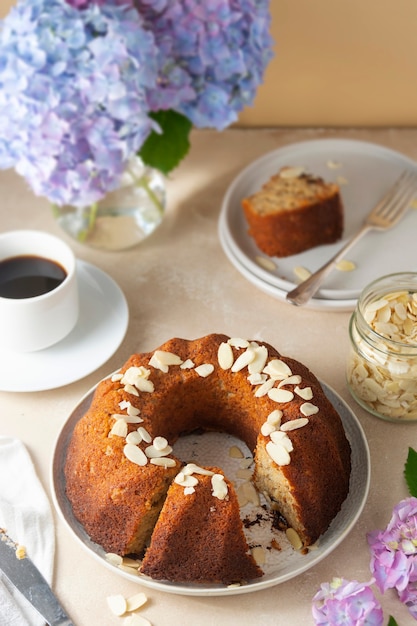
(143, 182)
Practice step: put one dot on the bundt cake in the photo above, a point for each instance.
(120, 462)
(293, 212)
(199, 535)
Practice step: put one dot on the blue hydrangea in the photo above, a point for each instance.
(73, 104)
(211, 56)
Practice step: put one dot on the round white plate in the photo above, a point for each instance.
(315, 303)
(100, 329)
(282, 564)
(369, 170)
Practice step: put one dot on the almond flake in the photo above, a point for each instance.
(292, 172)
(235, 452)
(160, 443)
(116, 377)
(135, 602)
(280, 395)
(237, 342)
(225, 356)
(131, 389)
(257, 365)
(205, 370)
(266, 263)
(294, 424)
(246, 473)
(277, 369)
(168, 358)
(117, 604)
(188, 491)
(257, 378)
(308, 409)
(129, 419)
(187, 365)
(295, 379)
(281, 438)
(263, 389)
(294, 538)
(259, 555)
(114, 559)
(119, 428)
(185, 481)
(302, 273)
(144, 434)
(306, 393)
(163, 461)
(219, 486)
(267, 429)
(135, 454)
(153, 453)
(278, 453)
(134, 437)
(192, 468)
(345, 266)
(274, 417)
(243, 360)
(250, 493)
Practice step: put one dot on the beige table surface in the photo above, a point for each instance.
(180, 283)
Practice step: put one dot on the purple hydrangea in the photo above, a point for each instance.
(73, 104)
(394, 554)
(346, 603)
(211, 56)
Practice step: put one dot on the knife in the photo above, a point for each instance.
(26, 577)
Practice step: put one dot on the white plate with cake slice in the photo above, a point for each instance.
(282, 562)
(364, 171)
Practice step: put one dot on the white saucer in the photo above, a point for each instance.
(100, 329)
(368, 171)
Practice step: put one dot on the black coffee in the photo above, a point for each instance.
(29, 276)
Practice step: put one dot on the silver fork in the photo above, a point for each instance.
(386, 214)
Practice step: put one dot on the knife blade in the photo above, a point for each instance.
(25, 576)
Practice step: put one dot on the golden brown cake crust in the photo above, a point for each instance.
(291, 215)
(118, 502)
(199, 538)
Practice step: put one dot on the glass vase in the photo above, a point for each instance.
(124, 217)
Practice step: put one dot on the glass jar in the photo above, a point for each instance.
(382, 362)
(125, 216)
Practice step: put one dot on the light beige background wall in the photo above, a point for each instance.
(337, 63)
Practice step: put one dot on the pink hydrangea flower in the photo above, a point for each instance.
(394, 554)
(346, 603)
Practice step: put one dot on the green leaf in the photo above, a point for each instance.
(165, 150)
(392, 621)
(410, 472)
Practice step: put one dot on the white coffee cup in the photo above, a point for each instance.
(33, 322)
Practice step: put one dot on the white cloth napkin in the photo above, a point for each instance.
(25, 514)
